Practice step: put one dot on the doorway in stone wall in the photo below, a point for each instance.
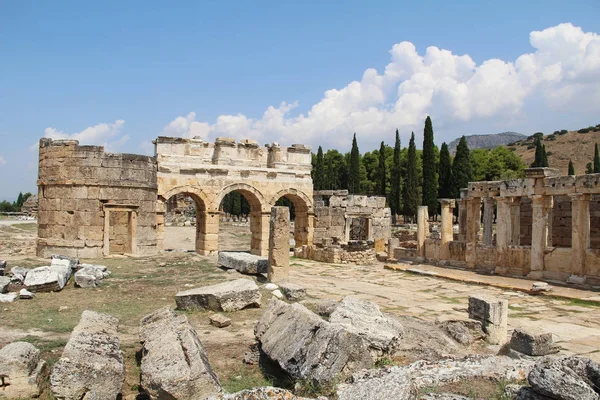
(120, 225)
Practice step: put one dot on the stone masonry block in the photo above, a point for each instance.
(493, 315)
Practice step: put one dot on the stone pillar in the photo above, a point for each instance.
(446, 232)
(539, 235)
(392, 244)
(207, 232)
(259, 226)
(515, 221)
(422, 229)
(473, 218)
(133, 232)
(493, 315)
(503, 232)
(106, 238)
(462, 220)
(279, 244)
(488, 220)
(580, 231)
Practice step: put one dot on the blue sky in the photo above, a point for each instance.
(121, 73)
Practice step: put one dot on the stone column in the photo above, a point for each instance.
(493, 315)
(580, 231)
(539, 235)
(503, 231)
(106, 238)
(488, 220)
(279, 244)
(259, 226)
(422, 229)
(446, 232)
(207, 232)
(515, 221)
(462, 220)
(473, 218)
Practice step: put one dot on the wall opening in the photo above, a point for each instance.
(561, 222)
(359, 228)
(120, 227)
(236, 217)
(299, 224)
(525, 222)
(181, 222)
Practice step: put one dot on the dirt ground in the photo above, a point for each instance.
(140, 285)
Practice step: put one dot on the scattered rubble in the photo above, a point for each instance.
(219, 320)
(227, 296)
(540, 287)
(244, 263)
(20, 364)
(260, 393)
(90, 276)
(174, 364)
(26, 294)
(530, 344)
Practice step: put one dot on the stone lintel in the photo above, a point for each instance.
(541, 172)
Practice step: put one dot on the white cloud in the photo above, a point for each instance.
(103, 134)
(562, 71)
(2, 160)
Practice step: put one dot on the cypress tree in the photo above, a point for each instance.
(444, 182)
(354, 168)
(539, 154)
(409, 194)
(544, 157)
(319, 179)
(596, 160)
(589, 168)
(395, 181)
(462, 172)
(571, 168)
(381, 172)
(429, 169)
(20, 200)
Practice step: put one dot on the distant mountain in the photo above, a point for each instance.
(487, 141)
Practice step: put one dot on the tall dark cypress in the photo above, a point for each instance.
(596, 160)
(571, 168)
(354, 168)
(539, 154)
(544, 157)
(444, 182)
(430, 191)
(409, 194)
(395, 192)
(319, 175)
(462, 172)
(382, 172)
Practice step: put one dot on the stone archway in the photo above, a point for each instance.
(303, 223)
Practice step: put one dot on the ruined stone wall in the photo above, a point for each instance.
(78, 185)
(355, 252)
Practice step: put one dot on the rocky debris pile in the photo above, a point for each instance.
(308, 347)
(227, 296)
(292, 291)
(90, 275)
(20, 365)
(259, 393)
(244, 263)
(91, 365)
(51, 278)
(399, 383)
(540, 344)
(565, 378)
(174, 364)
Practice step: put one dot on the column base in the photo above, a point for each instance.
(535, 275)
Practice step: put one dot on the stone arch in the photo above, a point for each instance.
(254, 196)
(304, 221)
(197, 194)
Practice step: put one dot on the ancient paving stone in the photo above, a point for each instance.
(244, 263)
(493, 315)
(219, 320)
(279, 244)
(292, 291)
(91, 365)
(21, 366)
(174, 363)
(306, 346)
(532, 344)
(227, 296)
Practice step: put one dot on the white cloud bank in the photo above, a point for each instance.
(103, 134)
(564, 70)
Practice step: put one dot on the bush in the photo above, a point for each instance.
(531, 146)
(551, 137)
(563, 132)
(512, 148)
(584, 130)
(511, 144)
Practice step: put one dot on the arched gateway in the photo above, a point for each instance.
(94, 204)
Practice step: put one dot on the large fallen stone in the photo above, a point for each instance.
(51, 278)
(174, 364)
(4, 282)
(381, 332)
(566, 378)
(533, 344)
(227, 296)
(245, 263)
(20, 365)
(90, 276)
(91, 365)
(398, 386)
(308, 347)
(527, 393)
(292, 291)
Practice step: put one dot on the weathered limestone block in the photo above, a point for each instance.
(91, 365)
(48, 279)
(533, 344)
(398, 386)
(279, 244)
(260, 393)
(306, 346)
(174, 364)
(4, 282)
(227, 296)
(20, 365)
(493, 315)
(18, 274)
(244, 263)
(566, 378)
(90, 276)
(8, 297)
(2, 267)
(382, 333)
(26, 294)
(292, 291)
(219, 320)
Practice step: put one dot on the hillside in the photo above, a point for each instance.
(487, 141)
(560, 147)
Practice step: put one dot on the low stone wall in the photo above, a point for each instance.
(359, 252)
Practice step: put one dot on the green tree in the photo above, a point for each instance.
(596, 160)
(319, 171)
(354, 168)
(589, 168)
(444, 182)
(395, 184)
(571, 168)
(430, 190)
(6, 206)
(544, 157)
(461, 168)
(336, 171)
(540, 159)
(20, 201)
(382, 172)
(410, 194)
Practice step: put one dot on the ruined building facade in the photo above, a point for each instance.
(94, 204)
(546, 227)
